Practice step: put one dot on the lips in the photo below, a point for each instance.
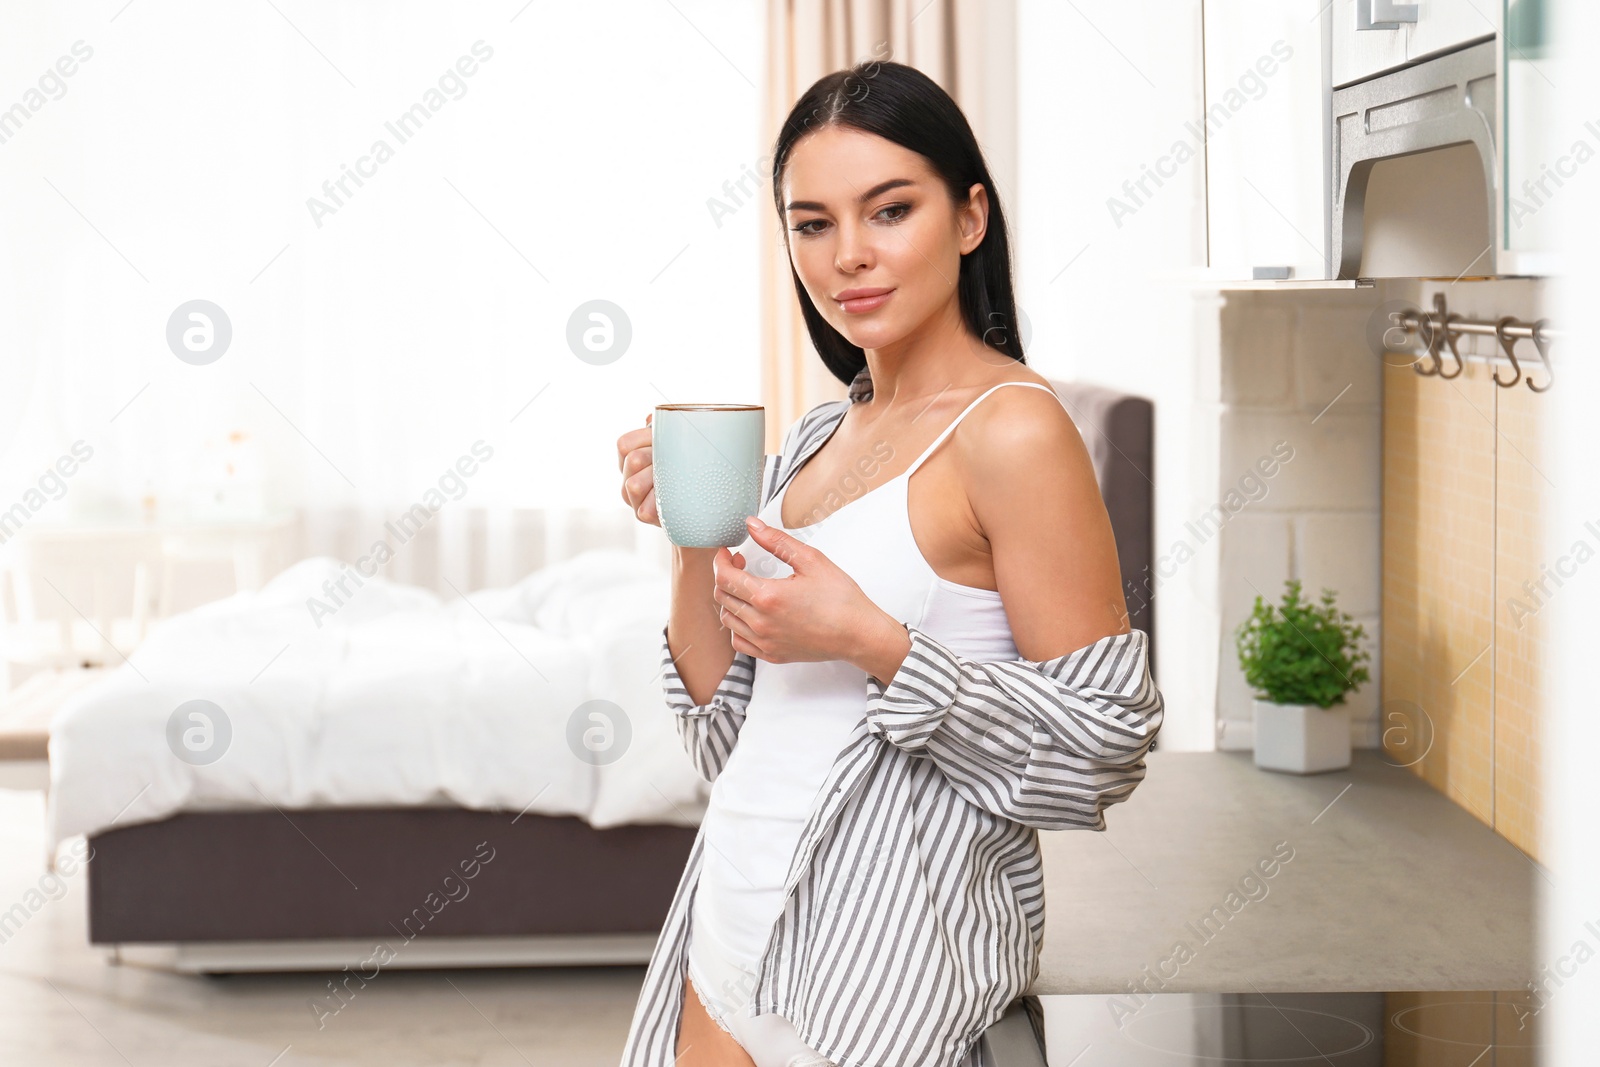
(858, 301)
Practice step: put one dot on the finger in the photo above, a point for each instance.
(733, 602)
(631, 441)
(646, 508)
(733, 580)
(736, 625)
(639, 459)
(791, 550)
(749, 648)
(640, 483)
(641, 500)
(733, 611)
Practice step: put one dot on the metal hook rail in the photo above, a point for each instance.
(1438, 330)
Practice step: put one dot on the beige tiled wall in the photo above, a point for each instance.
(1438, 554)
(1524, 585)
(1464, 481)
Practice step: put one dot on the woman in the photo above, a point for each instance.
(897, 681)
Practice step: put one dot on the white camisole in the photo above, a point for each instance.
(799, 717)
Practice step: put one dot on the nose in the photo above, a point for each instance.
(854, 251)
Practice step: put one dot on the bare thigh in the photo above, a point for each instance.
(701, 1042)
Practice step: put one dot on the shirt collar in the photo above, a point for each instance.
(861, 386)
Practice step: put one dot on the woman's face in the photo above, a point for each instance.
(874, 236)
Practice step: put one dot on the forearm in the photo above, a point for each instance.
(701, 647)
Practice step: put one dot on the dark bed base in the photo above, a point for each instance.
(384, 872)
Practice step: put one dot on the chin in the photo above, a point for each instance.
(872, 334)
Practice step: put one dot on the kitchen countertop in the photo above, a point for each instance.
(1388, 885)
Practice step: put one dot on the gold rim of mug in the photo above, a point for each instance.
(710, 407)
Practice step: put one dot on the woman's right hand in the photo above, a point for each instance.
(638, 473)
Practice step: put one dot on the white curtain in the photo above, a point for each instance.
(967, 46)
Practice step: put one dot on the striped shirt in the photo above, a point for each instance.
(914, 903)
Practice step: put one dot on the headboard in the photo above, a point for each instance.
(1119, 430)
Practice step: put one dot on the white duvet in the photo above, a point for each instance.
(397, 699)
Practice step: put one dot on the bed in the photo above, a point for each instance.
(372, 750)
(268, 787)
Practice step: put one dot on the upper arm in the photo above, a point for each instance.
(1033, 490)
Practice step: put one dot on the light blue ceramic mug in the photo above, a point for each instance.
(708, 459)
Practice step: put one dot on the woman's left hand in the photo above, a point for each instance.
(816, 613)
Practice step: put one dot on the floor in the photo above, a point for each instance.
(63, 1005)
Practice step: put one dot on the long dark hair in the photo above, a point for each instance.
(903, 105)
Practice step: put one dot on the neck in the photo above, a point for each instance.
(940, 354)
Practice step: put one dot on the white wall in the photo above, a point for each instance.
(1301, 440)
(1105, 87)
(1570, 894)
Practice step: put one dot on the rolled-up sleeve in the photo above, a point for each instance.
(1049, 743)
(708, 730)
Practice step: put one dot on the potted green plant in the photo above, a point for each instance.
(1301, 658)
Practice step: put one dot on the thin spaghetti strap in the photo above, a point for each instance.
(937, 441)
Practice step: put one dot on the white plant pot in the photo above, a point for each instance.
(1301, 738)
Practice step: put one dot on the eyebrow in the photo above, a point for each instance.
(876, 190)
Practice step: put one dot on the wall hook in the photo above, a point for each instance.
(1450, 339)
(1431, 338)
(1509, 346)
(1542, 344)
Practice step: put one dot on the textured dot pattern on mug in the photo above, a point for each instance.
(717, 481)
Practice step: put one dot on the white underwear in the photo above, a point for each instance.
(770, 1039)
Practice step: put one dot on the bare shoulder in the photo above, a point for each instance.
(1024, 462)
(1027, 426)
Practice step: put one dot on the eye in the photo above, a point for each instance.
(802, 228)
(893, 212)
